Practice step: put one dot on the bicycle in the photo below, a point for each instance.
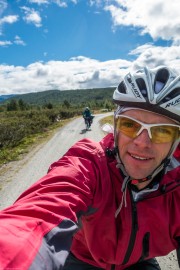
(88, 121)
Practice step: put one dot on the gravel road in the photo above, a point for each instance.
(19, 175)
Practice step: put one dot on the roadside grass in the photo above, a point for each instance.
(15, 153)
(108, 119)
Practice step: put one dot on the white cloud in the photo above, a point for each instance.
(81, 72)
(158, 18)
(77, 73)
(5, 43)
(60, 3)
(74, 1)
(97, 3)
(153, 56)
(8, 19)
(19, 41)
(39, 2)
(32, 16)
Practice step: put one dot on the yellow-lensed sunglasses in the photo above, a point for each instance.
(158, 133)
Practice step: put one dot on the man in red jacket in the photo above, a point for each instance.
(107, 205)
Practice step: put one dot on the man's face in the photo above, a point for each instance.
(140, 155)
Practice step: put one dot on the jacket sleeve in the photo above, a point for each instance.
(37, 230)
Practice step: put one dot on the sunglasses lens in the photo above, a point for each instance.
(164, 134)
(159, 134)
(128, 126)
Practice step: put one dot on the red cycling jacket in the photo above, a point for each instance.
(73, 207)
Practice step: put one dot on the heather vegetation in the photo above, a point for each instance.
(25, 119)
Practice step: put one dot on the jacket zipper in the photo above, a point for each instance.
(134, 230)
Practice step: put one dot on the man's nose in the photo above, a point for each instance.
(143, 139)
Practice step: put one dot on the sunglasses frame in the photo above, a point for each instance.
(145, 126)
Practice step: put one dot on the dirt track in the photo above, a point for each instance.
(21, 174)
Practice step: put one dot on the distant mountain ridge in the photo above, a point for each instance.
(4, 97)
(58, 96)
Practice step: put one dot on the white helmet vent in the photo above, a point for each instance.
(158, 87)
(142, 87)
(175, 93)
(122, 88)
(161, 79)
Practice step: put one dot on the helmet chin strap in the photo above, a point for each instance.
(149, 177)
(137, 181)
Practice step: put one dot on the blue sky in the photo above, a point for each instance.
(73, 44)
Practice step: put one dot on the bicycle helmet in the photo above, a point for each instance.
(155, 90)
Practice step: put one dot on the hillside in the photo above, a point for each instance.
(58, 97)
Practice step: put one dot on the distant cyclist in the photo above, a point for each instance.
(87, 116)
